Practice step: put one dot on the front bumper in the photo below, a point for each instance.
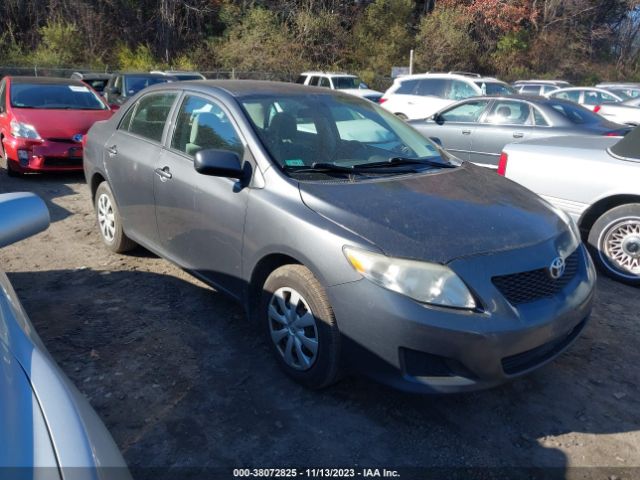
(422, 348)
(43, 155)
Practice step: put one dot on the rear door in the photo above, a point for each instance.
(201, 218)
(130, 158)
(505, 121)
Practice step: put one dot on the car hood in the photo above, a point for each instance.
(60, 123)
(437, 217)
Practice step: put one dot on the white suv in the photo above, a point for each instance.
(420, 96)
(339, 81)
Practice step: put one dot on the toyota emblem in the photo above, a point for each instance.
(77, 138)
(557, 267)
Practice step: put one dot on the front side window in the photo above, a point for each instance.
(3, 96)
(56, 96)
(572, 95)
(575, 113)
(314, 81)
(494, 88)
(301, 79)
(460, 90)
(468, 112)
(201, 125)
(324, 82)
(329, 129)
(509, 112)
(151, 114)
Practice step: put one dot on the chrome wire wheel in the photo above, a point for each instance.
(293, 328)
(620, 247)
(106, 218)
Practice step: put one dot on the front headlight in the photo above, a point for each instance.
(425, 282)
(23, 130)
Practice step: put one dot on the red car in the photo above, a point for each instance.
(43, 120)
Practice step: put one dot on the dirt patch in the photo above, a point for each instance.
(181, 379)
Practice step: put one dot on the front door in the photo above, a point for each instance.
(200, 217)
(130, 158)
(507, 121)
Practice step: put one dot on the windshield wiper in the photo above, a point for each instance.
(395, 161)
(332, 167)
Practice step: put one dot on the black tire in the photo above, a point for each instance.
(119, 243)
(624, 216)
(325, 369)
(10, 171)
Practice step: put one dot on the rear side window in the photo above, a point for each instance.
(126, 120)
(530, 90)
(539, 118)
(575, 113)
(301, 79)
(201, 124)
(151, 115)
(549, 88)
(433, 87)
(407, 87)
(324, 82)
(314, 81)
(509, 112)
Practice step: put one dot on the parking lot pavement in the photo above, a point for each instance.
(182, 379)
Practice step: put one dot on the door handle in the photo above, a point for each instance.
(518, 134)
(113, 150)
(466, 132)
(164, 173)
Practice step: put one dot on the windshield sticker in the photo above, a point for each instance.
(294, 162)
(76, 88)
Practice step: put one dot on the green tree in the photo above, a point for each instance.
(60, 44)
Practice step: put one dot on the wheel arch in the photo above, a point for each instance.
(96, 179)
(602, 206)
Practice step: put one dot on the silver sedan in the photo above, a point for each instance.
(596, 181)
(47, 429)
(477, 129)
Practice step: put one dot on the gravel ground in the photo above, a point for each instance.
(181, 379)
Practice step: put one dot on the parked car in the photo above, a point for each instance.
(620, 112)
(47, 428)
(589, 97)
(180, 75)
(419, 96)
(538, 87)
(123, 85)
(344, 82)
(596, 180)
(97, 81)
(477, 129)
(42, 121)
(350, 239)
(631, 90)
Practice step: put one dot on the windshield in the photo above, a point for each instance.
(624, 94)
(300, 131)
(628, 146)
(495, 88)
(342, 83)
(576, 113)
(136, 83)
(55, 97)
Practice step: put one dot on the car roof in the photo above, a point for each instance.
(418, 76)
(45, 81)
(330, 74)
(247, 88)
(144, 74)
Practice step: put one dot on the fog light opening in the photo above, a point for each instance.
(23, 158)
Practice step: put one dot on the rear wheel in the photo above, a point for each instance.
(300, 326)
(109, 221)
(614, 241)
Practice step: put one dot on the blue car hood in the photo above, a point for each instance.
(438, 216)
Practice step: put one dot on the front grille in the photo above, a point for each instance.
(62, 162)
(525, 287)
(526, 360)
(60, 140)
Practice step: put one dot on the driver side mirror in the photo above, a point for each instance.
(436, 117)
(219, 163)
(22, 215)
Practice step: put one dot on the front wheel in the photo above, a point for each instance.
(300, 326)
(109, 221)
(614, 241)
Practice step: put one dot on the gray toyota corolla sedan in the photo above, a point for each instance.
(352, 241)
